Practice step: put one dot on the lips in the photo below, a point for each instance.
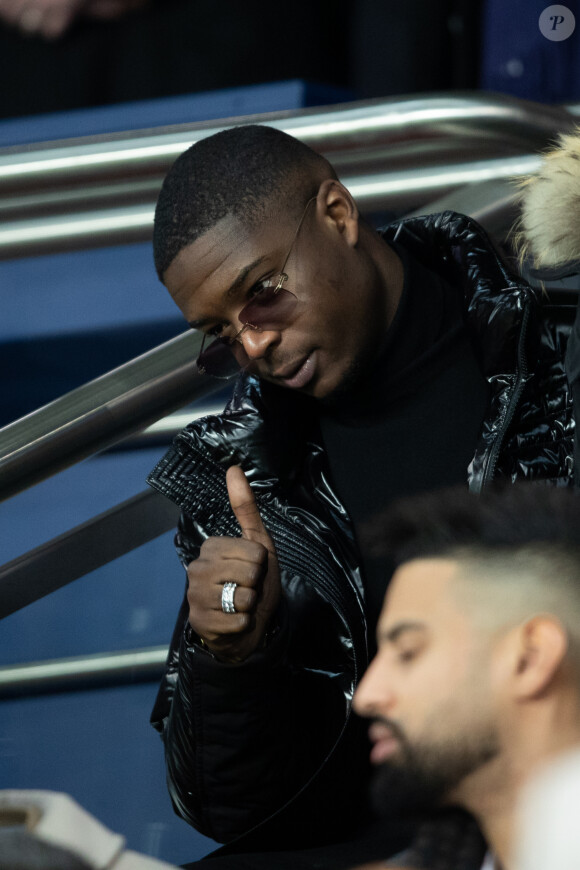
(297, 376)
(384, 741)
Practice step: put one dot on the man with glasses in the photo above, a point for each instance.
(369, 366)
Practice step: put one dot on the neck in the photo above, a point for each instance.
(389, 270)
(492, 802)
(492, 794)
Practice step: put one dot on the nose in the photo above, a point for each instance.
(257, 342)
(374, 695)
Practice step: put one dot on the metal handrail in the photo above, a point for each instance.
(492, 203)
(101, 412)
(84, 548)
(107, 194)
(431, 144)
(72, 674)
(398, 189)
(331, 130)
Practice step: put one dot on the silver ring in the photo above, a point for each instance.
(228, 590)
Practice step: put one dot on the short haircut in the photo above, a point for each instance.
(518, 544)
(239, 172)
(502, 519)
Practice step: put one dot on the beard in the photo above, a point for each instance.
(423, 776)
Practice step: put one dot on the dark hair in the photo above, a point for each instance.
(237, 171)
(502, 520)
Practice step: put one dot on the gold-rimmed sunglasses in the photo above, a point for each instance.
(271, 307)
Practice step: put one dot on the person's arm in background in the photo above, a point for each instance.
(52, 18)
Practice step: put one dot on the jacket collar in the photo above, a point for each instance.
(457, 247)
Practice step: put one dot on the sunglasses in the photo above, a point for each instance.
(271, 307)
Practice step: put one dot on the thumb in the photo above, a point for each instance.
(244, 506)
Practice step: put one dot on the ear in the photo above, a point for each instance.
(541, 648)
(336, 205)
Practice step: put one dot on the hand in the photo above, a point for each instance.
(249, 561)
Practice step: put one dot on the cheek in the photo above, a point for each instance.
(465, 696)
(501, 668)
(331, 296)
(440, 681)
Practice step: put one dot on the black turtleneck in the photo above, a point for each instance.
(413, 424)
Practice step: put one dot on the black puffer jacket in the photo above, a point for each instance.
(273, 738)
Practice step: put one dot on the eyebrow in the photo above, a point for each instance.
(393, 634)
(238, 281)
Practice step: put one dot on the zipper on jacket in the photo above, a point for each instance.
(522, 373)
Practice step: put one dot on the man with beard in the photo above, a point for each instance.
(476, 682)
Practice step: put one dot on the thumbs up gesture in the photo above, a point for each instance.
(232, 620)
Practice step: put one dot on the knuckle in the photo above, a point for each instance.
(214, 545)
(254, 573)
(194, 588)
(209, 550)
(242, 621)
(246, 509)
(192, 573)
(247, 598)
(198, 624)
(259, 552)
(195, 571)
(200, 597)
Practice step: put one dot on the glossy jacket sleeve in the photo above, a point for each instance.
(237, 743)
